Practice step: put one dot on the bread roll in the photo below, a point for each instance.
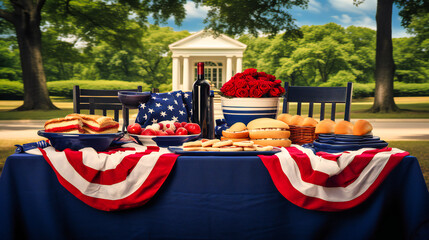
(325, 126)
(237, 130)
(309, 121)
(343, 127)
(269, 132)
(284, 117)
(296, 120)
(362, 127)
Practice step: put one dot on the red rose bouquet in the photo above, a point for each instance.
(252, 83)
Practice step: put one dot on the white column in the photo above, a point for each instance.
(186, 80)
(176, 72)
(228, 68)
(239, 65)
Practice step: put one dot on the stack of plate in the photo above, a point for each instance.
(341, 142)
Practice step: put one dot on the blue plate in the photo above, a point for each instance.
(61, 141)
(179, 150)
(164, 141)
(346, 147)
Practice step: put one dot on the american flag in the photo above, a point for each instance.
(171, 106)
(330, 182)
(117, 179)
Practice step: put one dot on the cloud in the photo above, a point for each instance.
(193, 12)
(366, 21)
(399, 33)
(314, 6)
(368, 6)
(346, 19)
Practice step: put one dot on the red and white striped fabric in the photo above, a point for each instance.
(330, 182)
(116, 179)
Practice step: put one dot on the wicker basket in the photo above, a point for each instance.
(302, 134)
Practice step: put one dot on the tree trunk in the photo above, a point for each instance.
(384, 65)
(28, 32)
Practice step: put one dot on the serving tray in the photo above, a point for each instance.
(179, 150)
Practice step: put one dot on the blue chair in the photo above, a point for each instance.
(322, 95)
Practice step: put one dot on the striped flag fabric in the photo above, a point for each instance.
(330, 182)
(117, 179)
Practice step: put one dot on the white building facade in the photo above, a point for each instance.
(222, 57)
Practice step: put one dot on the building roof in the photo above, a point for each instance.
(207, 40)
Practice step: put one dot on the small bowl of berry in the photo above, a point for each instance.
(165, 133)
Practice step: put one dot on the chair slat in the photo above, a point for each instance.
(310, 109)
(92, 92)
(101, 106)
(322, 111)
(298, 108)
(100, 100)
(334, 105)
(317, 94)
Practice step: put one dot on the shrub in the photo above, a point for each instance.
(65, 87)
(11, 90)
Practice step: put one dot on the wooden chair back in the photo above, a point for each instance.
(104, 100)
(322, 95)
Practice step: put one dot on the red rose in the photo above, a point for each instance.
(262, 78)
(249, 78)
(227, 87)
(264, 86)
(275, 92)
(278, 81)
(271, 77)
(231, 92)
(242, 92)
(255, 92)
(262, 74)
(253, 83)
(240, 83)
(250, 71)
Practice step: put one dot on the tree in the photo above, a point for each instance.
(88, 18)
(384, 64)
(105, 19)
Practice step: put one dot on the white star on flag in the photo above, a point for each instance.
(175, 102)
(169, 93)
(151, 110)
(178, 94)
(184, 105)
(186, 95)
(142, 106)
(153, 97)
(158, 104)
(165, 99)
(174, 119)
(154, 120)
(145, 116)
(170, 107)
(163, 114)
(181, 112)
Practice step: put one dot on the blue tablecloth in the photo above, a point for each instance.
(208, 198)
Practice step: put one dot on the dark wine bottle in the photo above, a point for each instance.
(200, 101)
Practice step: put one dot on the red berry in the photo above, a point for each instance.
(181, 131)
(193, 128)
(148, 132)
(169, 132)
(183, 124)
(134, 128)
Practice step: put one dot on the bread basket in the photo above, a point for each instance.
(302, 134)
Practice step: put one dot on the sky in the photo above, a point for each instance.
(319, 12)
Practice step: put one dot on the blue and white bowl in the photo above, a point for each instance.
(247, 109)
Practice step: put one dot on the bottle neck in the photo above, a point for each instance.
(200, 71)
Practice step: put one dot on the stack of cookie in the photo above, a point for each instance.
(216, 145)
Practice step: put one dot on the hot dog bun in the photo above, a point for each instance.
(269, 132)
(343, 127)
(362, 127)
(237, 130)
